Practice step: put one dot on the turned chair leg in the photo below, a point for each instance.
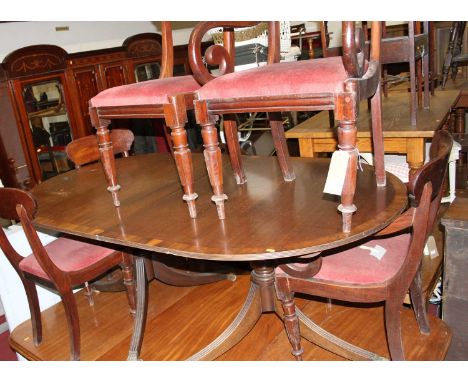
(418, 302)
(232, 140)
(212, 155)
(291, 324)
(107, 154)
(33, 302)
(347, 133)
(282, 152)
(393, 327)
(129, 281)
(176, 117)
(71, 313)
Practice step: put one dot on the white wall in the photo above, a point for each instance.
(82, 35)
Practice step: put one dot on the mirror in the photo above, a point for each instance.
(50, 127)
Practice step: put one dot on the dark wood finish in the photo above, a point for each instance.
(265, 205)
(85, 150)
(455, 288)
(358, 86)
(454, 56)
(178, 318)
(20, 205)
(425, 192)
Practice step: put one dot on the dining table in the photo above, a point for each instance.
(268, 221)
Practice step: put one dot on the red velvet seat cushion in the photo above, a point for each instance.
(357, 266)
(323, 75)
(68, 255)
(153, 92)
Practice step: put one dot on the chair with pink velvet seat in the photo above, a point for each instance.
(63, 265)
(149, 99)
(352, 274)
(334, 83)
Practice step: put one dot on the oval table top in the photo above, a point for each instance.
(266, 218)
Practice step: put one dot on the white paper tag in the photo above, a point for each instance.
(336, 173)
(378, 251)
(430, 249)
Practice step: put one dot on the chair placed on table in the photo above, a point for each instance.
(353, 275)
(63, 265)
(454, 56)
(149, 99)
(335, 83)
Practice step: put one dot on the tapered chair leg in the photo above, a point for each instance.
(212, 155)
(393, 327)
(175, 114)
(71, 313)
(291, 323)
(129, 281)
(232, 140)
(377, 138)
(107, 154)
(282, 152)
(33, 301)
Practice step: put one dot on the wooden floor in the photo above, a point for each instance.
(181, 320)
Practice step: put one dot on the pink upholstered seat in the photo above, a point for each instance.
(151, 92)
(68, 255)
(357, 266)
(323, 75)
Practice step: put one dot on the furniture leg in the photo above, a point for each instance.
(107, 154)
(306, 147)
(319, 336)
(232, 140)
(71, 313)
(449, 54)
(291, 324)
(393, 327)
(347, 133)
(414, 153)
(212, 155)
(175, 114)
(418, 302)
(127, 271)
(140, 315)
(33, 302)
(427, 80)
(178, 277)
(377, 138)
(413, 90)
(282, 152)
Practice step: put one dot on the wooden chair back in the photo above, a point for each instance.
(86, 150)
(224, 56)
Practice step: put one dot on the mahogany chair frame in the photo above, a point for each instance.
(20, 205)
(175, 109)
(425, 192)
(358, 86)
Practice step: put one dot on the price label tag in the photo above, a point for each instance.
(336, 173)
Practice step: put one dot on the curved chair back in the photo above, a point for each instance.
(86, 150)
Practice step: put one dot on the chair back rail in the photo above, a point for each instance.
(85, 150)
(222, 56)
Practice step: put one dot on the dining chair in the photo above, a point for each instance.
(62, 265)
(335, 83)
(454, 56)
(353, 274)
(414, 49)
(149, 99)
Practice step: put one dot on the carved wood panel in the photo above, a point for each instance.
(87, 88)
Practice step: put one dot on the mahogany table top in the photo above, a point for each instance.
(266, 218)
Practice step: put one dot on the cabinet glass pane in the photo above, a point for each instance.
(145, 72)
(50, 127)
